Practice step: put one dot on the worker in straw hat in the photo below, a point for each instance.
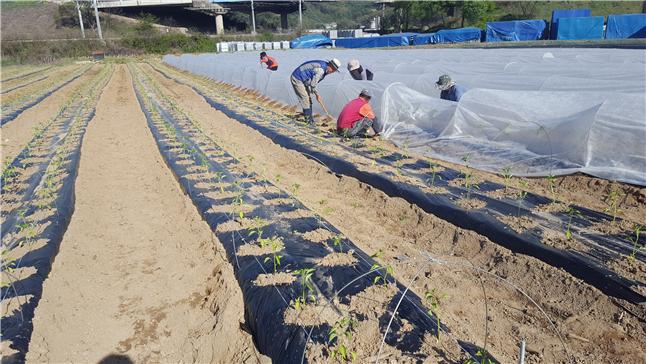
(450, 91)
(357, 117)
(358, 72)
(304, 80)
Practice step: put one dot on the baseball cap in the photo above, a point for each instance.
(365, 93)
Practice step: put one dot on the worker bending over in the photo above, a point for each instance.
(357, 71)
(356, 117)
(450, 91)
(304, 80)
(271, 62)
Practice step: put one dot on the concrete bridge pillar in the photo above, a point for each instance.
(283, 21)
(219, 24)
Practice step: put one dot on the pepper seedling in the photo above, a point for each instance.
(434, 298)
(276, 244)
(341, 332)
(307, 288)
(571, 212)
(635, 240)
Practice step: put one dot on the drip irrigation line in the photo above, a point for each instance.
(392, 317)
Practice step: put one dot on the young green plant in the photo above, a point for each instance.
(551, 185)
(613, 201)
(276, 245)
(388, 269)
(507, 176)
(635, 240)
(469, 179)
(434, 300)
(571, 212)
(337, 241)
(307, 287)
(434, 173)
(341, 332)
(522, 193)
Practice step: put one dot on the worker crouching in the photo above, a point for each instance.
(357, 117)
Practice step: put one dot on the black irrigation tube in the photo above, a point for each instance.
(18, 327)
(284, 343)
(23, 85)
(576, 264)
(14, 114)
(26, 74)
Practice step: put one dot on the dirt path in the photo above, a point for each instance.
(18, 132)
(138, 273)
(588, 319)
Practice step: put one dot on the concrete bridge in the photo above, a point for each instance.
(219, 7)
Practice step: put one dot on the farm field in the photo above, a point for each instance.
(157, 215)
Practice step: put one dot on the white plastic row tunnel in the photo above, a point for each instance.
(539, 111)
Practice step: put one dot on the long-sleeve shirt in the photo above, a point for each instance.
(311, 73)
(454, 93)
(360, 74)
(271, 62)
(354, 111)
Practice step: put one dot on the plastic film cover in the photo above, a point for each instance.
(540, 111)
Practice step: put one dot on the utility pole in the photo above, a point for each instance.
(253, 19)
(300, 14)
(78, 8)
(98, 22)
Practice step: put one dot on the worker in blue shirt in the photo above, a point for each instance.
(304, 80)
(450, 91)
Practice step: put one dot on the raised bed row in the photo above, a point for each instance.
(297, 290)
(551, 235)
(38, 202)
(24, 75)
(16, 107)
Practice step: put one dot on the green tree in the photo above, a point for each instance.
(477, 12)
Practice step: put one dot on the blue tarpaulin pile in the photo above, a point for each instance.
(311, 41)
(569, 13)
(626, 26)
(516, 30)
(590, 27)
(449, 36)
(388, 40)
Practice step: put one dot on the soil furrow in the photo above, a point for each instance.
(136, 261)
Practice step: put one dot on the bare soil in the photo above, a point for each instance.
(139, 273)
(587, 320)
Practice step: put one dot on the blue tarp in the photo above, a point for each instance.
(311, 41)
(516, 30)
(590, 27)
(449, 36)
(626, 26)
(569, 13)
(388, 40)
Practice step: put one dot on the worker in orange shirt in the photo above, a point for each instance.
(356, 117)
(271, 62)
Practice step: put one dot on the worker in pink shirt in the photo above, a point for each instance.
(356, 117)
